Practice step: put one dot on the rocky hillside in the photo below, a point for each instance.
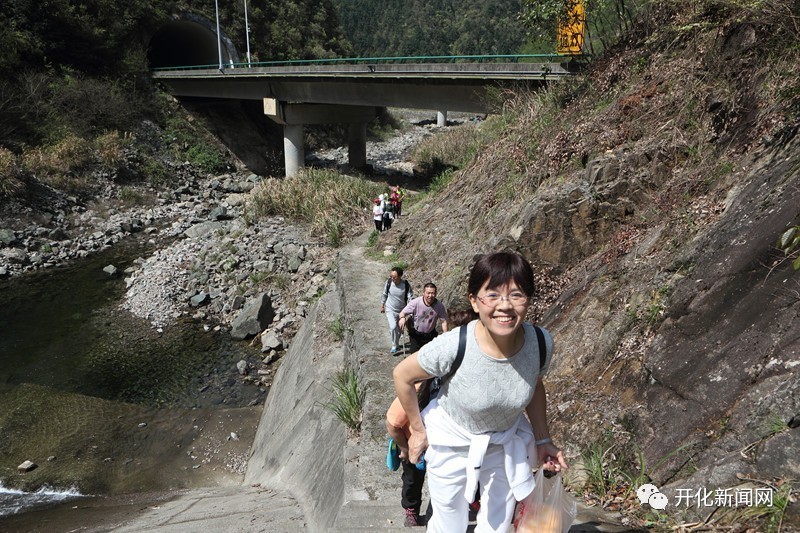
(650, 196)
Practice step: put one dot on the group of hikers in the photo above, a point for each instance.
(388, 206)
(471, 409)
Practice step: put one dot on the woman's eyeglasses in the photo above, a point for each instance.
(491, 299)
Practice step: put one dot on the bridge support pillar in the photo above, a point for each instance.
(293, 153)
(293, 116)
(441, 118)
(357, 145)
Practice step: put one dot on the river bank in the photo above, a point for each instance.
(181, 287)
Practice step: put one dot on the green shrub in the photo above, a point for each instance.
(207, 157)
(372, 240)
(438, 184)
(337, 327)
(191, 142)
(334, 231)
(348, 398)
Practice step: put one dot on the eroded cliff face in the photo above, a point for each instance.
(652, 221)
(692, 346)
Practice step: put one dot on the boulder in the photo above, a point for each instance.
(254, 318)
(27, 466)
(199, 299)
(270, 341)
(16, 256)
(204, 228)
(218, 213)
(7, 236)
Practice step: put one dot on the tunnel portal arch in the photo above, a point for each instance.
(189, 39)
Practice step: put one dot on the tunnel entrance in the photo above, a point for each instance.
(190, 40)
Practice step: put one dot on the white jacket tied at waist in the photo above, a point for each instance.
(517, 441)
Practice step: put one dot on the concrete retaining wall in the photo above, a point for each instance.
(299, 444)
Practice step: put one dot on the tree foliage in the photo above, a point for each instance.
(290, 29)
(92, 36)
(606, 19)
(790, 244)
(81, 66)
(432, 27)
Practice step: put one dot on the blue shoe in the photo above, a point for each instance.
(392, 455)
(394, 349)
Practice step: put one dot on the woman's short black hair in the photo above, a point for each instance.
(500, 268)
(398, 270)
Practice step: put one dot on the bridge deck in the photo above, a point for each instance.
(438, 86)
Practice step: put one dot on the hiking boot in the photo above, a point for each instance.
(412, 518)
(394, 349)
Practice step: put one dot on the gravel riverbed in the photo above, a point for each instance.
(208, 262)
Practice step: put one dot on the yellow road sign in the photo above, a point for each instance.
(571, 28)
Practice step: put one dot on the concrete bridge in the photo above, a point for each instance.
(342, 90)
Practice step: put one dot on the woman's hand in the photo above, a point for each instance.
(417, 444)
(551, 458)
(403, 452)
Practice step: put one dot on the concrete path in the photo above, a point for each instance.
(372, 498)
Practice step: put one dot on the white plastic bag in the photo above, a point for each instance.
(548, 509)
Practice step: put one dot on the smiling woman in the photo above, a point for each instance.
(474, 431)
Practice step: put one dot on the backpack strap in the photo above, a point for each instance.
(462, 347)
(542, 347)
(388, 285)
(436, 384)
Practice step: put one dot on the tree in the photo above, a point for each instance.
(606, 19)
(432, 27)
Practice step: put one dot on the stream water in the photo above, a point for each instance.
(105, 404)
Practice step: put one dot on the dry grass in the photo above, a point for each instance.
(109, 149)
(59, 165)
(331, 204)
(11, 183)
(453, 149)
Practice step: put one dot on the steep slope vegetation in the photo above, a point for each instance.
(650, 195)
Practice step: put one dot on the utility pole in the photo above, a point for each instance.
(247, 32)
(219, 37)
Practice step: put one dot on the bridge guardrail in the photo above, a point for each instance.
(508, 58)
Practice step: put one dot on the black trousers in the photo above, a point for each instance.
(418, 340)
(413, 479)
